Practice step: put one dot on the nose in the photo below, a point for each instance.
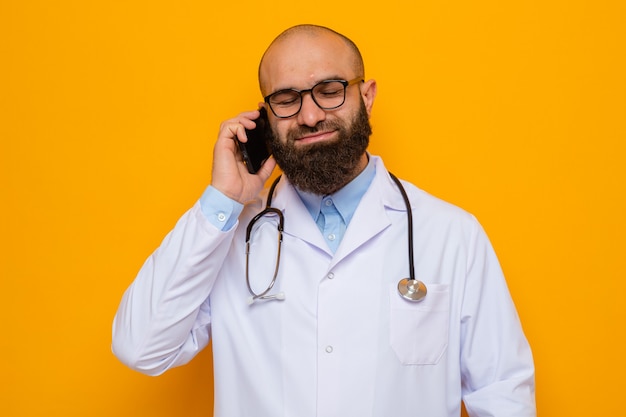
(310, 113)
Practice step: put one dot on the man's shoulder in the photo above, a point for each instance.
(422, 202)
(426, 202)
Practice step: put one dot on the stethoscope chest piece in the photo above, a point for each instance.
(412, 289)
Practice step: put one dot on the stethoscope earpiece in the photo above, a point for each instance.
(278, 296)
(412, 289)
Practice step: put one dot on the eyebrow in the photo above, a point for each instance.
(332, 77)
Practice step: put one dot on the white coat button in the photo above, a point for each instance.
(329, 349)
(221, 217)
(330, 276)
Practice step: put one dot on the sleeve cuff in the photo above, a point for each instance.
(221, 211)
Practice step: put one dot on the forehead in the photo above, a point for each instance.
(301, 60)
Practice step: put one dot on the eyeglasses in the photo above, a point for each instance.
(327, 94)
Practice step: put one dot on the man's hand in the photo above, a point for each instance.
(230, 175)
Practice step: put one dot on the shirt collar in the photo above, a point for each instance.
(346, 199)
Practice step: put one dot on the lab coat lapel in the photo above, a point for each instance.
(298, 220)
(370, 217)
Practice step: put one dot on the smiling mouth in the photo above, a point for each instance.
(316, 137)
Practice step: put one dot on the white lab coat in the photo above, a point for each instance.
(343, 342)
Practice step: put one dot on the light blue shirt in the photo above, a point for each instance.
(332, 213)
(221, 211)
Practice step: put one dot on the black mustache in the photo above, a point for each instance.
(308, 130)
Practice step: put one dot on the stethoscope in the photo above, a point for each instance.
(410, 288)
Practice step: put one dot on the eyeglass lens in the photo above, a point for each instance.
(327, 95)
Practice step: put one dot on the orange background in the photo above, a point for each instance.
(514, 110)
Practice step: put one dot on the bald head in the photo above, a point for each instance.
(282, 52)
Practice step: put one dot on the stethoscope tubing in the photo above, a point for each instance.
(409, 219)
(409, 288)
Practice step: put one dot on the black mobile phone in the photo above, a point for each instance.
(256, 150)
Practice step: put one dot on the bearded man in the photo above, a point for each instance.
(303, 290)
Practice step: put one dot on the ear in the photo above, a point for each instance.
(368, 92)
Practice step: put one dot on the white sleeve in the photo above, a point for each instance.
(163, 319)
(496, 360)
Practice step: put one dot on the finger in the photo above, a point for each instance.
(267, 168)
(236, 127)
(237, 131)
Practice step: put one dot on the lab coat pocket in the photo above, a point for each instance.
(419, 330)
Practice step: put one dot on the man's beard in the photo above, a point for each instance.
(325, 167)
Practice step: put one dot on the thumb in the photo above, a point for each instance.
(266, 169)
